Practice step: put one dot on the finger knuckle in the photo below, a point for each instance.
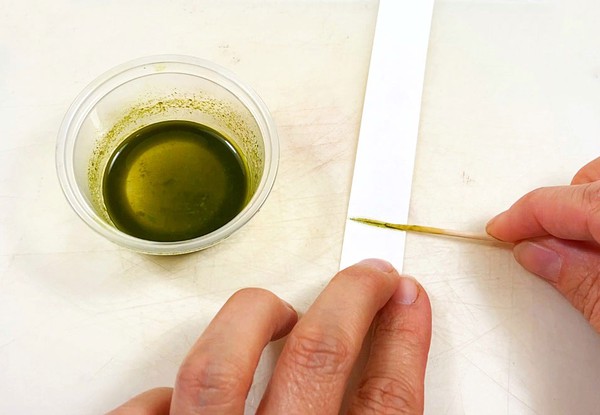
(530, 198)
(388, 325)
(387, 395)
(586, 295)
(320, 353)
(211, 382)
(412, 340)
(590, 195)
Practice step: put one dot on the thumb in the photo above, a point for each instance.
(573, 267)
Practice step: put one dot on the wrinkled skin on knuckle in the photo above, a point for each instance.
(591, 193)
(591, 198)
(585, 296)
(318, 353)
(387, 395)
(390, 325)
(402, 336)
(212, 383)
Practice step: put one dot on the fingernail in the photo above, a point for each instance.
(407, 291)
(539, 260)
(378, 264)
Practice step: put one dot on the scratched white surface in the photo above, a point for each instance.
(84, 324)
(511, 101)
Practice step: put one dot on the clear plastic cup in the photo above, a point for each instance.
(150, 90)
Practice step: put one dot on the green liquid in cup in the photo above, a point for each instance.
(174, 181)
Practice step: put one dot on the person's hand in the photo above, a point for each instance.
(313, 369)
(557, 236)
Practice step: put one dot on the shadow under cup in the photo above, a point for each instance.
(151, 90)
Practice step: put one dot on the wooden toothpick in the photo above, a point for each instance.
(427, 229)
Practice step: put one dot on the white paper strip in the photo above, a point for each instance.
(383, 170)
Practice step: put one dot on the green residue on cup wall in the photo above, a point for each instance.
(233, 125)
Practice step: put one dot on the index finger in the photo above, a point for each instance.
(565, 212)
(218, 371)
